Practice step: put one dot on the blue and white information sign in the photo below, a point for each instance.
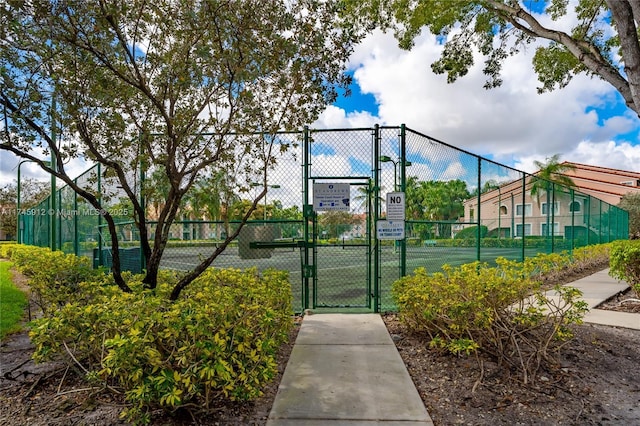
(390, 229)
(331, 196)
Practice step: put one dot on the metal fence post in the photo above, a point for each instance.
(99, 184)
(588, 218)
(524, 214)
(573, 220)
(553, 217)
(479, 231)
(376, 214)
(403, 188)
(76, 244)
(305, 215)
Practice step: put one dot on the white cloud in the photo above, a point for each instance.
(615, 155)
(9, 169)
(454, 171)
(336, 118)
(622, 156)
(512, 124)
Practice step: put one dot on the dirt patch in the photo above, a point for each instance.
(626, 301)
(597, 381)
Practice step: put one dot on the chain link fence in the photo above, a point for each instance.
(326, 219)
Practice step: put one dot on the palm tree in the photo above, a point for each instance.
(550, 173)
(364, 197)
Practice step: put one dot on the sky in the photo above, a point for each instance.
(585, 122)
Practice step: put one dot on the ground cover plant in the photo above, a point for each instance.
(12, 302)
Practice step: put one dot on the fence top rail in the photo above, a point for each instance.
(352, 129)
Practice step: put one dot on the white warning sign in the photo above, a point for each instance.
(390, 229)
(395, 206)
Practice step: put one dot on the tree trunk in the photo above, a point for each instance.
(623, 17)
(116, 269)
(150, 280)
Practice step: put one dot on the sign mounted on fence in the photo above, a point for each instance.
(331, 196)
(390, 229)
(395, 206)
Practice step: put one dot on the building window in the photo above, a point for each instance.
(575, 207)
(545, 208)
(471, 214)
(627, 183)
(503, 210)
(523, 232)
(526, 209)
(556, 229)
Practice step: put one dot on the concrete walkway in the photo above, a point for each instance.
(344, 369)
(598, 288)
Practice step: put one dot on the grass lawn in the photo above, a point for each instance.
(12, 302)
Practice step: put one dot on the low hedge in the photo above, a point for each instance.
(219, 340)
(53, 275)
(502, 311)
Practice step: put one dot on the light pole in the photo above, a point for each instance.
(387, 159)
(255, 184)
(265, 199)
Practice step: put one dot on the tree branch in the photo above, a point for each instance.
(584, 51)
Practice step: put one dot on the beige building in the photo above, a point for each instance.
(507, 213)
(604, 183)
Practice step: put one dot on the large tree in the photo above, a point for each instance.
(173, 87)
(499, 28)
(438, 201)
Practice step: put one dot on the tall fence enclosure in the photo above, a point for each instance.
(347, 212)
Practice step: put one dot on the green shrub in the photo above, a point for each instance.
(412, 241)
(587, 256)
(472, 233)
(549, 265)
(219, 340)
(501, 311)
(6, 250)
(625, 262)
